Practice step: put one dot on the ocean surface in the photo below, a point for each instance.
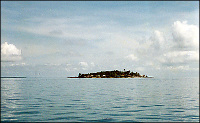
(100, 99)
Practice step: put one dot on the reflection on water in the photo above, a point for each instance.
(99, 100)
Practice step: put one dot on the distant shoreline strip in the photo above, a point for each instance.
(13, 77)
(110, 77)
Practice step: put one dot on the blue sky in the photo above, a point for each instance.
(63, 38)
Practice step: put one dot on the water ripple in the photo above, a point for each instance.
(177, 111)
(76, 100)
(117, 107)
(26, 112)
(159, 105)
(132, 111)
(65, 118)
(190, 116)
(144, 106)
(148, 118)
(13, 99)
(118, 114)
(64, 113)
(100, 120)
(114, 100)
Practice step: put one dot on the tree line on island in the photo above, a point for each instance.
(111, 74)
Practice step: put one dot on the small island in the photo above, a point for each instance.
(112, 74)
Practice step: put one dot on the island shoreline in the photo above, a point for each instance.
(112, 74)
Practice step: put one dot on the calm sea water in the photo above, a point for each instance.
(101, 100)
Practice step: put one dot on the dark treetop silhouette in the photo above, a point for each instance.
(112, 74)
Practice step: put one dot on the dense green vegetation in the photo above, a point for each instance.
(112, 74)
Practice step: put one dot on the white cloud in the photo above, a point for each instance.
(157, 40)
(81, 67)
(70, 69)
(178, 67)
(181, 56)
(161, 50)
(185, 36)
(83, 64)
(153, 47)
(19, 64)
(51, 64)
(9, 52)
(9, 49)
(132, 57)
(186, 44)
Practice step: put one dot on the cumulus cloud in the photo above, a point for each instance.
(164, 51)
(157, 40)
(153, 46)
(9, 52)
(9, 49)
(186, 44)
(84, 65)
(185, 36)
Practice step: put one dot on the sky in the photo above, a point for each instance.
(64, 38)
